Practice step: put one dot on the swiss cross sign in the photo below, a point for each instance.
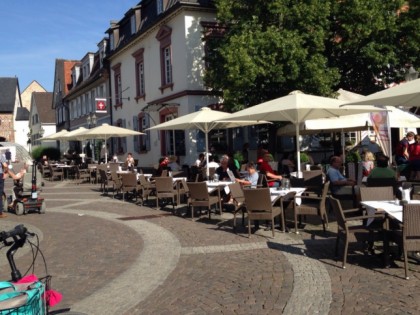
(100, 105)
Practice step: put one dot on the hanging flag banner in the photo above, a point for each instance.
(100, 105)
(381, 126)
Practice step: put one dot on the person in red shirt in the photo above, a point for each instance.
(266, 169)
(414, 157)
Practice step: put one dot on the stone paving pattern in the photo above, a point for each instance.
(113, 257)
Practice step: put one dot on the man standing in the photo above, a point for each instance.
(401, 154)
(3, 167)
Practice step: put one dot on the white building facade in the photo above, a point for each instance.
(156, 70)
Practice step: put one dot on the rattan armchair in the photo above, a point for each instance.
(312, 205)
(165, 189)
(259, 206)
(129, 185)
(147, 188)
(238, 197)
(409, 237)
(352, 233)
(199, 197)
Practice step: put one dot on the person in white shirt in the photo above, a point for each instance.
(212, 162)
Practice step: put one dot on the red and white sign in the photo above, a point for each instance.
(100, 105)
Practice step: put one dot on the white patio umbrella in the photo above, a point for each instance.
(55, 136)
(298, 107)
(75, 135)
(106, 131)
(397, 118)
(205, 120)
(405, 94)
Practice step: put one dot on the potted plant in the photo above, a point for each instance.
(352, 160)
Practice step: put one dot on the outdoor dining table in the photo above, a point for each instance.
(279, 194)
(66, 169)
(393, 211)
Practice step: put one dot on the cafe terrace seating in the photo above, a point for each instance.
(116, 184)
(350, 233)
(238, 203)
(104, 180)
(311, 205)
(147, 188)
(56, 172)
(82, 175)
(129, 185)
(165, 189)
(199, 196)
(259, 206)
(409, 238)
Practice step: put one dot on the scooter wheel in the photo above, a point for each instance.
(19, 208)
(43, 208)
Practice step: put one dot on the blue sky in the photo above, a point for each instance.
(35, 33)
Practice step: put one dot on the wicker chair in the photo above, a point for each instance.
(351, 233)
(56, 172)
(259, 207)
(312, 205)
(147, 188)
(104, 180)
(116, 184)
(238, 197)
(129, 185)
(82, 175)
(409, 237)
(199, 197)
(165, 189)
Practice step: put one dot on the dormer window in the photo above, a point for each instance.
(133, 24)
(159, 6)
(111, 41)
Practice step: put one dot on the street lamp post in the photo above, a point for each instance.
(91, 122)
(29, 142)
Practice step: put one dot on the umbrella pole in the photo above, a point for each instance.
(343, 145)
(298, 151)
(207, 155)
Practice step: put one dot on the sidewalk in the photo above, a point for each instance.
(112, 257)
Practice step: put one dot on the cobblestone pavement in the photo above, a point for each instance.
(113, 257)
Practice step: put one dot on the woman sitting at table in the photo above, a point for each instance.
(129, 161)
(368, 163)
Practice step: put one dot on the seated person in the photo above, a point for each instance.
(340, 185)
(368, 163)
(212, 162)
(200, 162)
(223, 168)
(173, 164)
(266, 169)
(129, 161)
(163, 165)
(288, 164)
(382, 170)
(252, 177)
(22, 185)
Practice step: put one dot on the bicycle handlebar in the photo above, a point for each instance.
(19, 230)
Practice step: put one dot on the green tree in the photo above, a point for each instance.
(270, 48)
(364, 44)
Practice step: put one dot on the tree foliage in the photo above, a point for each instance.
(271, 48)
